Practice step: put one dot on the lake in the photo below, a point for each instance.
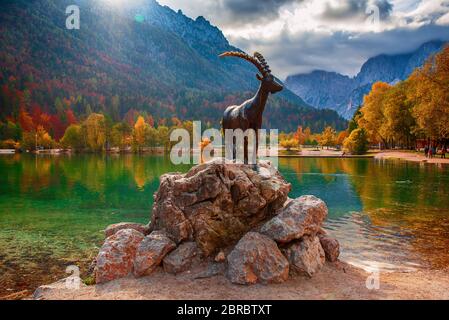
(390, 215)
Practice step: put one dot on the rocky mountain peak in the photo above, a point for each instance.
(332, 90)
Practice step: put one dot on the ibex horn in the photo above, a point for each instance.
(263, 69)
(262, 61)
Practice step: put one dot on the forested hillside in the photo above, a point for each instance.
(142, 59)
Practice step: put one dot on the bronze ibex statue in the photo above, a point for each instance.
(248, 115)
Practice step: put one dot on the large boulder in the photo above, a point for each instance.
(299, 217)
(151, 251)
(306, 256)
(182, 258)
(330, 246)
(116, 257)
(256, 258)
(113, 228)
(222, 216)
(216, 203)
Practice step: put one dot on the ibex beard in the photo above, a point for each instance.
(239, 146)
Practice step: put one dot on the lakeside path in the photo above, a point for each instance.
(411, 156)
(334, 281)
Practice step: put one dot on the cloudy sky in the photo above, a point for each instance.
(299, 36)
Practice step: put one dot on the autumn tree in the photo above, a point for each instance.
(301, 136)
(29, 141)
(176, 122)
(372, 113)
(150, 120)
(121, 135)
(151, 137)
(341, 137)
(357, 142)
(417, 107)
(94, 131)
(399, 120)
(307, 134)
(25, 120)
(164, 136)
(289, 143)
(328, 137)
(140, 128)
(10, 130)
(43, 138)
(73, 138)
(429, 91)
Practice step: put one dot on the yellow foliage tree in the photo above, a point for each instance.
(399, 122)
(300, 135)
(139, 132)
(341, 137)
(429, 91)
(328, 137)
(73, 137)
(307, 134)
(418, 107)
(289, 144)
(43, 138)
(94, 129)
(372, 113)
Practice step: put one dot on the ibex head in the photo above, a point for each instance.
(265, 76)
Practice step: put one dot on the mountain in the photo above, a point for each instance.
(320, 88)
(344, 94)
(126, 59)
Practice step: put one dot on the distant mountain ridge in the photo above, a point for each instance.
(332, 90)
(148, 57)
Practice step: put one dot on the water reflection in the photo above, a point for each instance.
(391, 214)
(52, 209)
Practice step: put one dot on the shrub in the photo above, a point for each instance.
(289, 144)
(357, 142)
(9, 144)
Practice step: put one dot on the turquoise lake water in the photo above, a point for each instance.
(389, 214)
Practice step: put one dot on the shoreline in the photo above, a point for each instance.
(348, 156)
(334, 281)
(411, 157)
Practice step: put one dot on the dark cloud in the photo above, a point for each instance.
(342, 52)
(336, 43)
(234, 13)
(244, 9)
(356, 9)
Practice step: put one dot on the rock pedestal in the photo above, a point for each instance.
(226, 214)
(215, 204)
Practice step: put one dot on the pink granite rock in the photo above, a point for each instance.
(256, 258)
(299, 217)
(331, 247)
(306, 256)
(113, 228)
(151, 251)
(116, 256)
